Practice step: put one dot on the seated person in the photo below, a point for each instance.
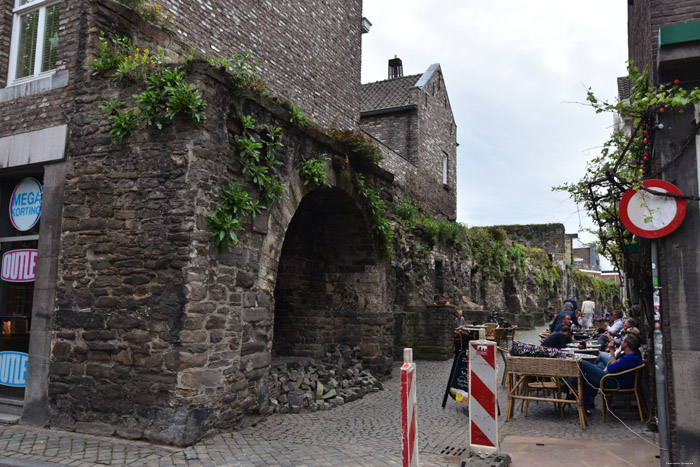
(459, 320)
(566, 321)
(603, 340)
(550, 326)
(560, 317)
(462, 337)
(615, 328)
(604, 357)
(558, 339)
(592, 374)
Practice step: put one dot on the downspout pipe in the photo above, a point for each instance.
(660, 365)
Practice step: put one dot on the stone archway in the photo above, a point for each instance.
(330, 286)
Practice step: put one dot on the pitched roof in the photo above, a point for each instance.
(387, 94)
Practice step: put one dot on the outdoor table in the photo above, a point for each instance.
(519, 368)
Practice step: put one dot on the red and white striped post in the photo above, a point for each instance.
(483, 400)
(409, 416)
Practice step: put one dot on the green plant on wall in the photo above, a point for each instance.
(360, 146)
(313, 171)
(167, 93)
(257, 157)
(241, 68)
(377, 207)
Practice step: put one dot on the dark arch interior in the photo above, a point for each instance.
(329, 288)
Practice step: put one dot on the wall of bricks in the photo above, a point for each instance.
(309, 54)
(678, 275)
(414, 142)
(47, 109)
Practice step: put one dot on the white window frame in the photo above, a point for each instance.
(17, 13)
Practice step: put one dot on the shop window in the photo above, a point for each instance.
(34, 46)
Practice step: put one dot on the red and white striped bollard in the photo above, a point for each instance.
(409, 415)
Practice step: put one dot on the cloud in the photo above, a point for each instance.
(516, 73)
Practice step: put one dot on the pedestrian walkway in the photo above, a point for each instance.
(366, 432)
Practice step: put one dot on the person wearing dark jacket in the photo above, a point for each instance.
(560, 317)
(558, 339)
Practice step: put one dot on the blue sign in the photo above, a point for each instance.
(13, 368)
(25, 204)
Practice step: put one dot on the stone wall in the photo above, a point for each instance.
(177, 334)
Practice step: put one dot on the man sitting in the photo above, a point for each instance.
(558, 339)
(615, 328)
(592, 374)
(566, 321)
(567, 311)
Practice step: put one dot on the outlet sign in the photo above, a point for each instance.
(19, 265)
(25, 204)
(13, 368)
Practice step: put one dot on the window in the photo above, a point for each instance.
(444, 168)
(34, 38)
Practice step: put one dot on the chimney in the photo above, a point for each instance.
(395, 68)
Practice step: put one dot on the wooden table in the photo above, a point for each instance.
(519, 368)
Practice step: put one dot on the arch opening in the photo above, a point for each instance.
(330, 287)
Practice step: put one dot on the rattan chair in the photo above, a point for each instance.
(606, 394)
(545, 385)
(490, 328)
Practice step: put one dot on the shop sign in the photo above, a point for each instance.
(19, 265)
(13, 368)
(25, 204)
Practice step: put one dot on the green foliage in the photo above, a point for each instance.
(362, 147)
(241, 69)
(167, 95)
(257, 164)
(406, 209)
(297, 116)
(376, 207)
(625, 157)
(223, 226)
(107, 56)
(313, 173)
(123, 121)
(258, 161)
(601, 289)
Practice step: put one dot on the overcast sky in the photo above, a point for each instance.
(514, 71)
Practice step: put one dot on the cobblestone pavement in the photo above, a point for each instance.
(366, 432)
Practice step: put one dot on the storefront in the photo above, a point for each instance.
(20, 216)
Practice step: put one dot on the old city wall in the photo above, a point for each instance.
(158, 333)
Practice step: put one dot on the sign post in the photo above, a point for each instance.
(483, 400)
(458, 383)
(409, 416)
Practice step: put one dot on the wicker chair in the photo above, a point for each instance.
(490, 328)
(606, 393)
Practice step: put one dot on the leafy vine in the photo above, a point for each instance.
(626, 157)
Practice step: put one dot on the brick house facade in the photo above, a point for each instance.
(411, 118)
(663, 39)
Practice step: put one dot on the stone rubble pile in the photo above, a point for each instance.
(311, 384)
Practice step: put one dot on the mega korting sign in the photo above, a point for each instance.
(25, 204)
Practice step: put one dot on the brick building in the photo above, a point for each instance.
(411, 118)
(664, 38)
(129, 320)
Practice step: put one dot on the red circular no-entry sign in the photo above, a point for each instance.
(649, 215)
